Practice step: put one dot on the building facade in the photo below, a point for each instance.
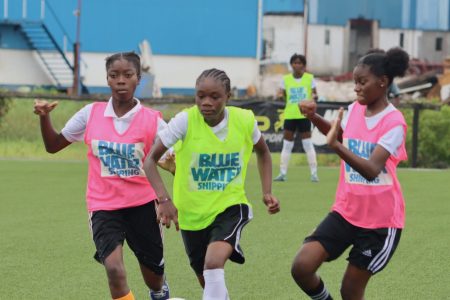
(338, 33)
(37, 37)
(186, 37)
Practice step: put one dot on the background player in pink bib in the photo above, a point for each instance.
(368, 212)
(119, 135)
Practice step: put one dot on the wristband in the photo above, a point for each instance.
(163, 200)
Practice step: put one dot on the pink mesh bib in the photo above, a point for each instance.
(116, 178)
(370, 204)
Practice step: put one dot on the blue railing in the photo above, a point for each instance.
(19, 11)
(44, 32)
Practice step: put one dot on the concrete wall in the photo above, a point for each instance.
(427, 50)
(419, 44)
(177, 74)
(332, 59)
(391, 38)
(286, 34)
(326, 59)
(21, 67)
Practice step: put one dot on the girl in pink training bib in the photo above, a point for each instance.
(368, 213)
(119, 134)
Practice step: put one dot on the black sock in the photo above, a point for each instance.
(320, 292)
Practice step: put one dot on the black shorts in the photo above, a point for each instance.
(300, 125)
(372, 248)
(138, 226)
(227, 226)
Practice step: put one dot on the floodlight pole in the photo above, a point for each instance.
(5, 9)
(76, 86)
(305, 26)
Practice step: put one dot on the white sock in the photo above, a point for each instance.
(215, 288)
(310, 154)
(285, 156)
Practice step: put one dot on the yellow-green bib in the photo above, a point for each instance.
(210, 173)
(296, 91)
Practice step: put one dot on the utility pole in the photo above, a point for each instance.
(76, 86)
(305, 26)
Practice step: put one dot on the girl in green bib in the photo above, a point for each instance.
(213, 147)
(296, 87)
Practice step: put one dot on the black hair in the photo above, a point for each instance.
(392, 63)
(298, 56)
(218, 75)
(128, 56)
(375, 50)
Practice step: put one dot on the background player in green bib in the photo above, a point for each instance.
(296, 87)
(214, 144)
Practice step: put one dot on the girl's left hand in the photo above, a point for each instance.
(168, 163)
(332, 136)
(272, 203)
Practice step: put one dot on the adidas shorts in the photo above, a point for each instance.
(138, 226)
(226, 227)
(371, 248)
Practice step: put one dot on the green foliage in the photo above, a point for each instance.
(434, 137)
(20, 123)
(44, 90)
(20, 134)
(4, 106)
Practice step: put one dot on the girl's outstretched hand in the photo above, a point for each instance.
(272, 203)
(332, 136)
(308, 108)
(43, 107)
(167, 213)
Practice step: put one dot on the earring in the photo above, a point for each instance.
(381, 85)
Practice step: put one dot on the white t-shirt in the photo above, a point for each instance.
(74, 129)
(178, 125)
(392, 139)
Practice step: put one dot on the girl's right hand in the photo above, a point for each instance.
(43, 107)
(308, 108)
(272, 203)
(167, 213)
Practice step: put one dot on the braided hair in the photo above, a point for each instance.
(218, 75)
(128, 56)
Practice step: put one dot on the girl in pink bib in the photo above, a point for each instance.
(120, 200)
(368, 213)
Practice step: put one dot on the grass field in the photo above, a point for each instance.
(46, 249)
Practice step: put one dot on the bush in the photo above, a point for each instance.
(434, 137)
(4, 106)
(19, 127)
